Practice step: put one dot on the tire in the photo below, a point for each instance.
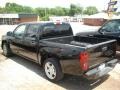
(6, 50)
(52, 69)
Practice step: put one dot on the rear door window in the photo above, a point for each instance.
(32, 30)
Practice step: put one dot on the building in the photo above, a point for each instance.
(98, 19)
(65, 18)
(11, 19)
(59, 18)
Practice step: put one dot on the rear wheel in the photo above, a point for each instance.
(53, 69)
(6, 50)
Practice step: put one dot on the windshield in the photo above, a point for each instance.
(111, 26)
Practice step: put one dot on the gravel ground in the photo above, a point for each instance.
(17, 73)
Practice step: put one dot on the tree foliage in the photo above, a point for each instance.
(44, 13)
(75, 9)
(90, 10)
(15, 8)
(2, 10)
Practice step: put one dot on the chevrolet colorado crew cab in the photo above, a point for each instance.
(53, 46)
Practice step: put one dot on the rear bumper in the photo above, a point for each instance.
(98, 72)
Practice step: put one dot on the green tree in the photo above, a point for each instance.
(72, 10)
(44, 13)
(15, 8)
(40, 11)
(27, 9)
(90, 10)
(2, 10)
(59, 11)
(75, 9)
(66, 11)
(52, 11)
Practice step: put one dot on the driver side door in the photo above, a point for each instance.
(17, 38)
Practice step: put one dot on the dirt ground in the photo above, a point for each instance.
(17, 73)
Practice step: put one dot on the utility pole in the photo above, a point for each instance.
(111, 9)
(45, 13)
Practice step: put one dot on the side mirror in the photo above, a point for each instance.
(102, 31)
(9, 33)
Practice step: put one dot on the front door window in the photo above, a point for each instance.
(19, 31)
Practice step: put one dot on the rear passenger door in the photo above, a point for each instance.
(30, 42)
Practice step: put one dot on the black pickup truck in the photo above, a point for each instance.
(53, 46)
(110, 30)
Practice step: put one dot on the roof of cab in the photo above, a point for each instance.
(43, 22)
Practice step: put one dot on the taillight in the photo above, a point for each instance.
(83, 60)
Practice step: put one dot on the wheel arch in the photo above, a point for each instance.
(46, 55)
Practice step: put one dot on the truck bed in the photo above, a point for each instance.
(82, 41)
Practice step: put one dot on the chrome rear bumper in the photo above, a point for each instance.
(101, 70)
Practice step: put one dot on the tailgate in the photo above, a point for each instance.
(101, 52)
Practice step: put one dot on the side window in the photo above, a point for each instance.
(19, 31)
(48, 30)
(32, 30)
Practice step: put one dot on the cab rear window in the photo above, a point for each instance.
(54, 30)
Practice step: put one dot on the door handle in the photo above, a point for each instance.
(33, 42)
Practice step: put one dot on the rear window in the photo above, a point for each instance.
(55, 30)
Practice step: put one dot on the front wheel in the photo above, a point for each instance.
(6, 50)
(53, 69)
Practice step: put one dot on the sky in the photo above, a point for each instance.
(100, 4)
